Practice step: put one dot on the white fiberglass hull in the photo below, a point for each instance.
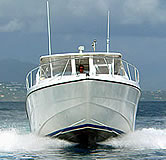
(71, 110)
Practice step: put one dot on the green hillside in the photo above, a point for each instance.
(12, 92)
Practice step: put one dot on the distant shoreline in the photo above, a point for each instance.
(16, 92)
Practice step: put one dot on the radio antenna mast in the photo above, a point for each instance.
(49, 29)
(108, 32)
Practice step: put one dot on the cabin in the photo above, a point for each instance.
(93, 64)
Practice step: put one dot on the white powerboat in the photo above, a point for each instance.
(84, 97)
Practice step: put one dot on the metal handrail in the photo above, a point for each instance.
(31, 78)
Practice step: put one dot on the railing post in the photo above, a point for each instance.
(135, 74)
(128, 70)
(31, 80)
(51, 69)
(73, 66)
(92, 70)
(113, 66)
(27, 82)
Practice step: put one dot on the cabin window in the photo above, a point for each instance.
(101, 65)
(82, 62)
(109, 65)
(57, 67)
(45, 71)
(62, 67)
(118, 67)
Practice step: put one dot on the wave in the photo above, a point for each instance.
(146, 138)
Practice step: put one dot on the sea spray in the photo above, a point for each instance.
(11, 140)
(146, 138)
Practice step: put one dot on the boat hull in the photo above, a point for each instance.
(83, 111)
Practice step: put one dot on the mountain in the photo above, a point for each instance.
(12, 70)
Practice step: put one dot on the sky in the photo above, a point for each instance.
(138, 31)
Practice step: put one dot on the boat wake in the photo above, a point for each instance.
(146, 138)
(12, 140)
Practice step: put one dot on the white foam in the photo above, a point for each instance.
(11, 140)
(147, 138)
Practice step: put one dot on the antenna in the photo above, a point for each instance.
(108, 32)
(49, 29)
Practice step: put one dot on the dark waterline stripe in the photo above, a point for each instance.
(84, 126)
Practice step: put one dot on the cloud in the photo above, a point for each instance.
(30, 16)
(143, 11)
(12, 26)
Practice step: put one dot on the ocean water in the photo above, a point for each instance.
(147, 142)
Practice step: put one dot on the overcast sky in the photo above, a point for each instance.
(138, 31)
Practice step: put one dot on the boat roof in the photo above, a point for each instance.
(46, 58)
